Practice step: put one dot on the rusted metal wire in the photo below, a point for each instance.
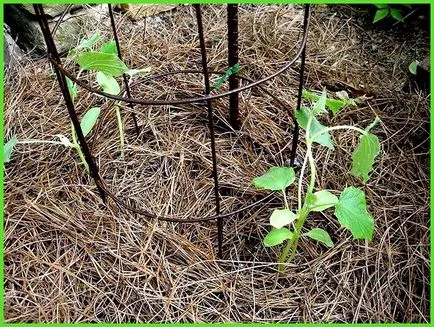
(193, 99)
(234, 115)
(211, 126)
(124, 76)
(52, 51)
(299, 95)
(233, 91)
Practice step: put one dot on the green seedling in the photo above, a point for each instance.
(349, 207)
(230, 71)
(87, 123)
(384, 11)
(107, 66)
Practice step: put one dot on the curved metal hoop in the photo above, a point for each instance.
(196, 99)
(234, 89)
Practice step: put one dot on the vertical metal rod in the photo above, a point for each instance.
(211, 127)
(232, 13)
(300, 91)
(127, 87)
(52, 52)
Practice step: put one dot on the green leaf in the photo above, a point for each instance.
(335, 105)
(302, 116)
(380, 6)
(320, 235)
(319, 107)
(8, 148)
(275, 179)
(107, 63)
(277, 236)
(353, 214)
(282, 217)
(108, 83)
(396, 14)
(72, 87)
(133, 72)
(381, 14)
(89, 119)
(323, 200)
(413, 67)
(230, 71)
(364, 156)
(88, 43)
(109, 47)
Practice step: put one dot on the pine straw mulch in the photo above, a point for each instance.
(69, 258)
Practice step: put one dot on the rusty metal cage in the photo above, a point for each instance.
(232, 93)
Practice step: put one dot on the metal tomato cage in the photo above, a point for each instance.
(232, 93)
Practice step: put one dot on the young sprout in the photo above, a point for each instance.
(349, 208)
(87, 123)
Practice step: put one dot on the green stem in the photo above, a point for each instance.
(121, 129)
(334, 128)
(78, 149)
(292, 244)
(285, 199)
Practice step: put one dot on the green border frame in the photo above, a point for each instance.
(219, 2)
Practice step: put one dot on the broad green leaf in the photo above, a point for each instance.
(109, 47)
(320, 235)
(302, 116)
(89, 119)
(133, 72)
(108, 83)
(364, 156)
(88, 43)
(381, 6)
(8, 148)
(277, 236)
(275, 179)
(282, 217)
(381, 14)
(72, 87)
(107, 63)
(353, 214)
(335, 105)
(230, 71)
(413, 67)
(323, 200)
(319, 107)
(396, 14)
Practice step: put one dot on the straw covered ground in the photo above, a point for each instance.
(70, 258)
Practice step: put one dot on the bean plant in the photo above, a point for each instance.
(87, 123)
(107, 66)
(350, 207)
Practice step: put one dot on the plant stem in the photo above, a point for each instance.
(291, 245)
(40, 141)
(121, 129)
(78, 148)
(334, 128)
(285, 199)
